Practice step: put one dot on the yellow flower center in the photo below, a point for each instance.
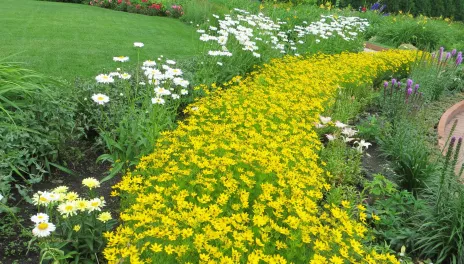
(43, 199)
(68, 208)
(42, 226)
(100, 98)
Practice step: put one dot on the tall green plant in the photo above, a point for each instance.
(36, 118)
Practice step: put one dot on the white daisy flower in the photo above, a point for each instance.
(96, 204)
(61, 189)
(138, 44)
(142, 83)
(104, 78)
(125, 76)
(184, 92)
(121, 58)
(175, 96)
(157, 100)
(39, 218)
(149, 63)
(100, 99)
(114, 74)
(41, 198)
(68, 208)
(43, 229)
(170, 62)
(161, 91)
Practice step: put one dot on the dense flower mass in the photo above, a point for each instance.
(239, 181)
(332, 26)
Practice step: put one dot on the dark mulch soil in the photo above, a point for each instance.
(81, 160)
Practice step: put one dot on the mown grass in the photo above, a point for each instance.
(71, 40)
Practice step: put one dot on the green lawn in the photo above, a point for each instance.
(71, 40)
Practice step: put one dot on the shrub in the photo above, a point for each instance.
(238, 180)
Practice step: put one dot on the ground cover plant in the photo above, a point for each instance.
(69, 41)
(223, 196)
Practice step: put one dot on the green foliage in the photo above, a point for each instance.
(441, 225)
(395, 208)
(36, 119)
(416, 32)
(403, 144)
(343, 163)
(371, 127)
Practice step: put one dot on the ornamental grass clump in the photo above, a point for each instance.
(238, 180)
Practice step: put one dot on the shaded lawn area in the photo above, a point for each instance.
(73, 40)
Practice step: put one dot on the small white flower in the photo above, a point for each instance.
(319, 125)
(161, 91)
(100, 99)
(349, 132)
(324, 119)
(340, 124)
(361, 144)
(175, 96)
(157, 100)
(219, 63)
(43, 229)
(121, 59)
(95, 204)
(195, 108)
(170, 62)
(149, 63)
(121, 94)
(68, 208)
(330, 137)
(138, 44)
(142, 83)
(39, 218)
(125, 76)
(115, 74)
(104, 78)
(184, 92)
(118, 69)
(1, 197)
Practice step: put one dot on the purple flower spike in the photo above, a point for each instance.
(459, 59)
(416, 87)
(453, 52)
(440, 57)
(409, 83)
(399, 84)
(409, 91)
(393, 82)
(448, 56)
(385, 84)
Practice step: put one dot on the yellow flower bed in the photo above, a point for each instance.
(238, 181)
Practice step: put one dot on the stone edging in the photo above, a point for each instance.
(445, 119)
(374, 47)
